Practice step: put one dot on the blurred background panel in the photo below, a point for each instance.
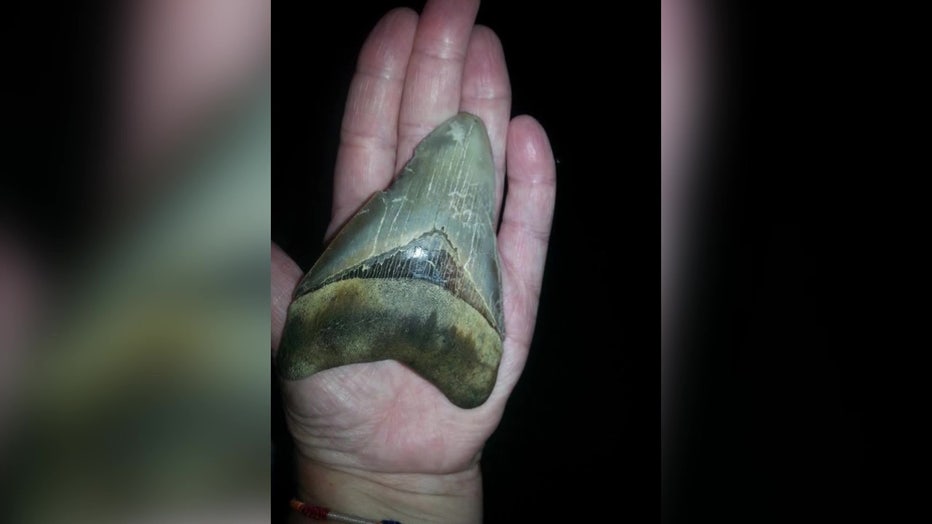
(136, 247)
(762, 412)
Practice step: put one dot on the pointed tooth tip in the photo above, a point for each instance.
(472, 122)
(465, 130)
(468, 117)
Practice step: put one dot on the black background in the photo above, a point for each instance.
(580, 435)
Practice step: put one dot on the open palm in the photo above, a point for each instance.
(413, 73)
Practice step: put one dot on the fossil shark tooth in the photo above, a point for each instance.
(413, 277)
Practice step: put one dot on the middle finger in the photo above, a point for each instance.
(435, 71)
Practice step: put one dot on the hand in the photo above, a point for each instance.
(376, 436)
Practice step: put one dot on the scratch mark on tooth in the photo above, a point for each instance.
(401, 204)
(378, 231)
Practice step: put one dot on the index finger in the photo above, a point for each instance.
(433, 81)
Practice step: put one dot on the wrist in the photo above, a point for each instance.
(406, 497)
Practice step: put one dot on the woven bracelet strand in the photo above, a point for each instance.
(321, 513)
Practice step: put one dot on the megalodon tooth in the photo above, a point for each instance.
(414, 276)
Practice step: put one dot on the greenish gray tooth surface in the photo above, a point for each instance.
(414, 276)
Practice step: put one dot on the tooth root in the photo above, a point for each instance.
(413, 276)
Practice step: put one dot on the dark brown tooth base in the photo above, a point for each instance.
(413, 276)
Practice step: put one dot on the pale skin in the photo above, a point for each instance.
(377, 440)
